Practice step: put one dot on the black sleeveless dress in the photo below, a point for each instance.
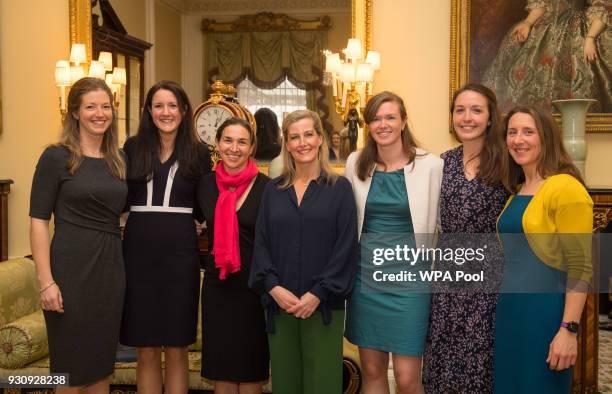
(234, 342)
(161, 258)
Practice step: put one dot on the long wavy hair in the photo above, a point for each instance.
(187, 145)
(553, 158)
(491, 163)
(71, 136)
(288, 174)
(369, 154)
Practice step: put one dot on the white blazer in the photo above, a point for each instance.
(423, 180)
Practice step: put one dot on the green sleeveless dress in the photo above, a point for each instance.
(387, 317)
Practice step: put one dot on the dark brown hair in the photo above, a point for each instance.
(238, 122)
(490, 157)
(553, 159)
(148, 144)
(70, 137)
(369, 154)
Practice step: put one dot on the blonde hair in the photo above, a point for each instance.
(288, 174)
(71, 137)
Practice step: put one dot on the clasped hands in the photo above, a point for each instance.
(301, 308)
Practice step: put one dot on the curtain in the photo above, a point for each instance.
(267, 58)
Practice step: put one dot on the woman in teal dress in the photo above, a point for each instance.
(547, 225)
(397, 188)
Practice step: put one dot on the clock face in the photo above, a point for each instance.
(209, 120)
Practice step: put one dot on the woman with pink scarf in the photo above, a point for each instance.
(235, 346)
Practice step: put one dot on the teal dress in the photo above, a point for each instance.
(529, 311)
(391, 317)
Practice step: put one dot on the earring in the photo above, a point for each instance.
(489, 123)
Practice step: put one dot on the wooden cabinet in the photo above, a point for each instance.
(5, 189)
(587, 364)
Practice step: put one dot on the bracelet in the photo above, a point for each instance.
(593, 37)
(46, 287)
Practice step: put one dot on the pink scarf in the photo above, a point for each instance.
(225, 245)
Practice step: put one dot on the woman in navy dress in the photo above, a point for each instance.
(546, 232)
(459, 353)
(160, 243)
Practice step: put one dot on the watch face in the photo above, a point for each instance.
(209, 120)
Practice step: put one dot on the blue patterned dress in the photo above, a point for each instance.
(459, 353)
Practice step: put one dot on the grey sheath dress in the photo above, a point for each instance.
(86, 262)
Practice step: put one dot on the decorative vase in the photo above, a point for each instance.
(573, 118)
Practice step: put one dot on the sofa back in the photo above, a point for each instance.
(19, 291)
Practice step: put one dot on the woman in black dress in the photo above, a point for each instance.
(81, 181)
(160, 242)
(235, 346)
(459, 353)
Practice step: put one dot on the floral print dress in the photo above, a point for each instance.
(459, 351)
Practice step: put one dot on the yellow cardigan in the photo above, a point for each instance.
(558, 223)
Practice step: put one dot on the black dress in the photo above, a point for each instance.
(86, 262)
(234, 342)
(459, 351)
(161, 258)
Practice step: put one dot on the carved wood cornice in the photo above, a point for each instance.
(265, 21)
(248, 5)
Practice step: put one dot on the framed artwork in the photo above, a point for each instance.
(0, 104)
(549, 63)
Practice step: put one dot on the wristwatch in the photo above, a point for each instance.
(571, 326)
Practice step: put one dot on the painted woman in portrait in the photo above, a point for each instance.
(561, 50)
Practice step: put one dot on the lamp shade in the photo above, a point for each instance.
(119, 76)
(365, 72)
(348, 73)
(96, 69)
(62, 73)
(333, 64)
(106, 58)
(353, 49)
(109, 81)
(76, 73)
(373, 58)
(77, 54)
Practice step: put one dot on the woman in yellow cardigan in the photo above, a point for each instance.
(545, 228)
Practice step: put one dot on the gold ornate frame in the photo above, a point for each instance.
(460, 61)
(80, 24)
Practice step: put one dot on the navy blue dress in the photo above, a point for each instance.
(459, 352)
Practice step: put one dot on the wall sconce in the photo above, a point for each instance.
(351, 77)
(68, 72)
(351, 81)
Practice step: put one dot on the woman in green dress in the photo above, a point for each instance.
(397, 189)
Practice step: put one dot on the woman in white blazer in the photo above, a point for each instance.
(397, 189)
